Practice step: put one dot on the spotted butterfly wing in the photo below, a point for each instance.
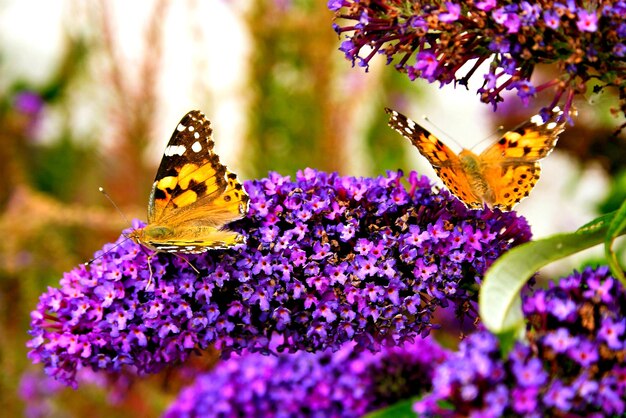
(503, 174)
(446, 163)
(512, 163)
(194, 196)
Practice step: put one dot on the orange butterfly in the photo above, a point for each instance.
(501, 175)
(193, 196)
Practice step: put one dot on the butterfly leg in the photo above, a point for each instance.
(150, 256)
(188, 262)
(149, 260)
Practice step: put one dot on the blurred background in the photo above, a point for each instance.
(90, 93)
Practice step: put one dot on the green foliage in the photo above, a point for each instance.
(617, 227)
(402, 409)
(292, 64)
(499, 300)
(60, 167)
(616, 195)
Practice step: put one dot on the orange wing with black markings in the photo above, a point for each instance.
(193, 196)
(500, 176)
(446, 163)
(511, 164)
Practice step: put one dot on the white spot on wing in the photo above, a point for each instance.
(551, 125)
(180, 127)
(537, 120)
(196, 147)
(169, 248)
(196, 135)
(175, 150)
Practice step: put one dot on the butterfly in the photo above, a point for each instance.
(500, 176)
(194, 196)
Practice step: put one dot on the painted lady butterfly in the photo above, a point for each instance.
(501, 175)
(193, 196)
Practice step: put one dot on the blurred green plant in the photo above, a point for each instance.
(306, 103)
(52, 216)
(292, 125)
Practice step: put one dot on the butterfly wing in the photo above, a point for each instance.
(193, 194)
(445, 162)
(511, 165)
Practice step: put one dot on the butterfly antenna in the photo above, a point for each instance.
(101, 189)
(497, 131)
(426, 119)
(88, 263)
(126, 237)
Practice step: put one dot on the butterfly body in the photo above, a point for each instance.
(193, 196)
(190, 240)
(500, 176)
(472, 166)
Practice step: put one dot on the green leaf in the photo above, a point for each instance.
(507, 341)
(616, 228)
(599, 222)
(499, 301)
(402, 409)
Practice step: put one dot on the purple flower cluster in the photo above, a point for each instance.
(574, 364)
(346, 383)
(328, 260)
(433, 40)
